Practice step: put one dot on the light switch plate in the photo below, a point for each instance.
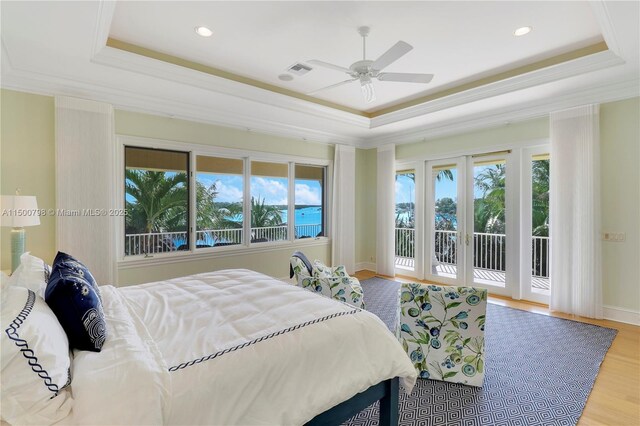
(616, 237)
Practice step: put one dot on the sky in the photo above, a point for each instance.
(445, 188)
(273, 190)
(406, 189)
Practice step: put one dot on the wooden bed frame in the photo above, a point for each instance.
(386, 392)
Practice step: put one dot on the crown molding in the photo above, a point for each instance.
(52, 86)
(104, 17)
(109, 56)
(527, 111)
(601, 13)
(550, 74)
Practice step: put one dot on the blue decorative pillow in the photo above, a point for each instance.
(72, 295)
(78, 268)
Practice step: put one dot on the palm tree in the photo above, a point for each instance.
(263, 215)
(540, 199)
(161, 200)
(490, 209)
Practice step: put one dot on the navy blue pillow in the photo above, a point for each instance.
(72, 295)
(77, 268)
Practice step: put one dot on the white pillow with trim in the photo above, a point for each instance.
(35, 360)
(32, 273)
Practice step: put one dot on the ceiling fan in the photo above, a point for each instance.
(365, 70)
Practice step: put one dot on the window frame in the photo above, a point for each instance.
(325, 199)
(195, 149)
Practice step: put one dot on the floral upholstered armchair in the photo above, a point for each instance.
(442, 330)
(331, 282)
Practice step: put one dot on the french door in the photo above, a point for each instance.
(535, 246)
(445, 224)
(470, 234)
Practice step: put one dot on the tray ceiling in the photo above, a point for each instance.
(463, 43)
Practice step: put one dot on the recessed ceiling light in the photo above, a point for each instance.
(203, 31)
(285, 77)
(522, 31)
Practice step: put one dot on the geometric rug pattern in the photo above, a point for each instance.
(539, 370)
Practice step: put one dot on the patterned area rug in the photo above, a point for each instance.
(539, 370)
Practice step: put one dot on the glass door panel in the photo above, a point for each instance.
(445, 215)
(405, 232)
(489, 240)
(540, 223)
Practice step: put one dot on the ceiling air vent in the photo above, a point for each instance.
(299, 69)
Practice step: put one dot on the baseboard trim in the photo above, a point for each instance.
(615, 313)
(368, 266)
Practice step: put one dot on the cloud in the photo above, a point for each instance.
(273, 191)
(229, 188)
(307, 195)
(228, 192)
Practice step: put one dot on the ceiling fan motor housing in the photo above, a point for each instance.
(362, 68)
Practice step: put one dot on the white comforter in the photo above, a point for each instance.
(229, 347)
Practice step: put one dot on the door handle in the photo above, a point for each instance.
(467, 239)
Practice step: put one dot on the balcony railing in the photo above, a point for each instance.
(164, 242)
(405, 242)
(489, 250)
(540, 257)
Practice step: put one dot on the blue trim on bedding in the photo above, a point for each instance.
(12, 333)
(260, 339)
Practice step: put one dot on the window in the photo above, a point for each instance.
(156, 201)
(216, 200)
(219, 206)
(269, 201)
(309, 201)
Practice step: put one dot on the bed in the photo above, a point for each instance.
(235, 347)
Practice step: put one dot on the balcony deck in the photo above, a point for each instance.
(487, 275)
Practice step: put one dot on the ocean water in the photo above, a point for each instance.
(305, 216)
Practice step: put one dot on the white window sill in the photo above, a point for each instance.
(213, 253)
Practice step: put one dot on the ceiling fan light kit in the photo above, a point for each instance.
(366, 70)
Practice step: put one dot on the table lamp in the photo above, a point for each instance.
(18, 211)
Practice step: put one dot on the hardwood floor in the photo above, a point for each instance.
(615, 397)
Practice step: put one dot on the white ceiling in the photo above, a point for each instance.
(456, 41)
(59, 48)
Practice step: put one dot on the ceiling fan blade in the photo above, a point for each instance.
(328, 65)
(405, 77)
(332, 86)
(396, 52)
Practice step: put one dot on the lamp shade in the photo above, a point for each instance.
(19, 211)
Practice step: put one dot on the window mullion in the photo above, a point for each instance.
(246, 202)
(291, 208)
(193, 203)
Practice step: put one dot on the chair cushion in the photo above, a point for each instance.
(442, 330)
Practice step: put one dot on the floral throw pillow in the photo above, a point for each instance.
(320, 270)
